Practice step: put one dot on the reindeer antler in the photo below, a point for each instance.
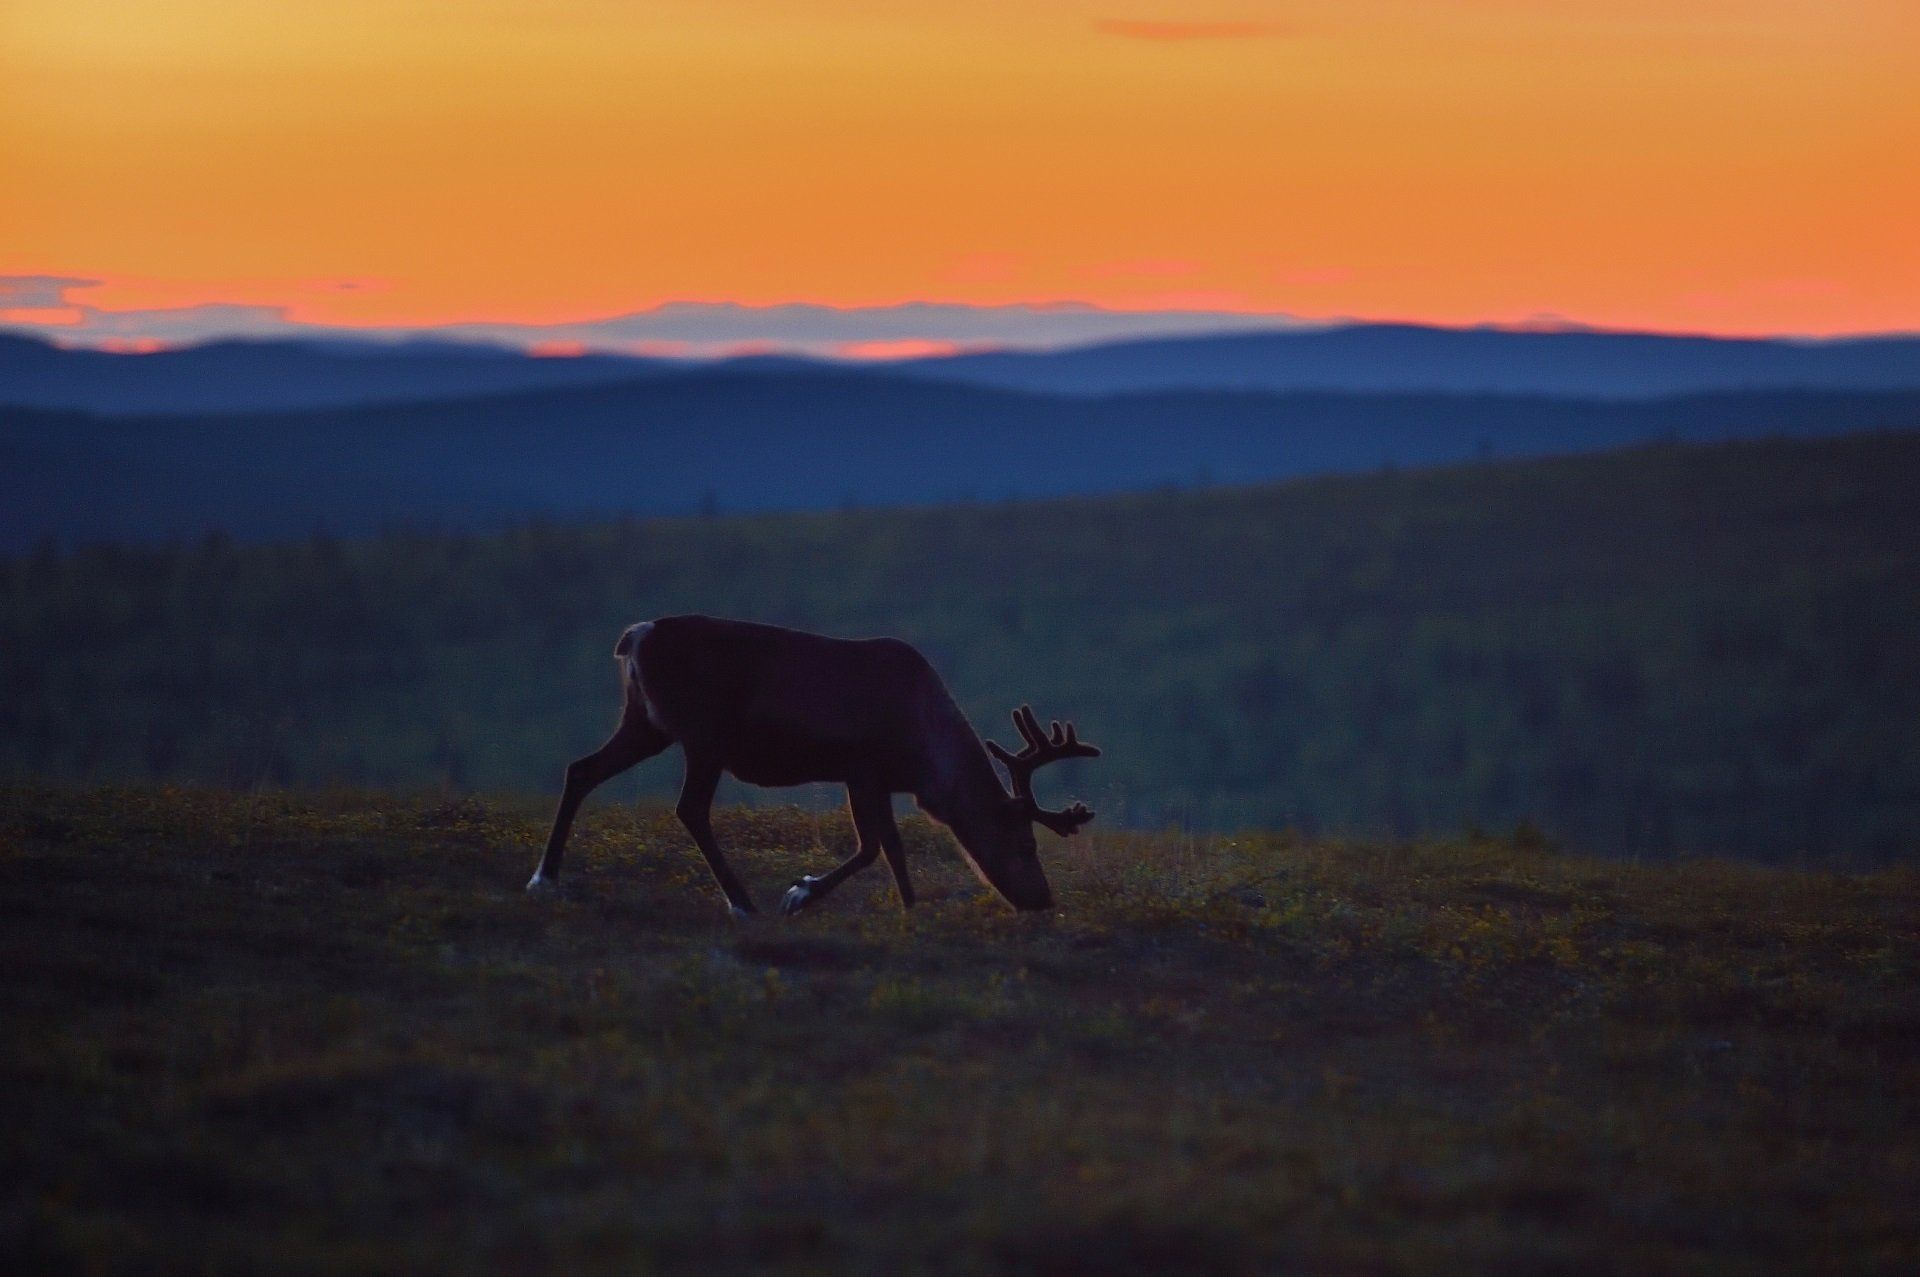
(1040, 750)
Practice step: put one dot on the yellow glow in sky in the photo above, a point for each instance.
(1719, 165)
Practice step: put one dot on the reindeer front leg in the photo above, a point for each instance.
(869, 807)
(695, 810)
(634, 741)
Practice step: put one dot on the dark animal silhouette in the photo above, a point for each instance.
(775, 706)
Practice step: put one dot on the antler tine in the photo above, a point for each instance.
(1029, 728)
(1040, 749)
(1064, 823)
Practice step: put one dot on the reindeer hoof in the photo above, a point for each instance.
(539, 885)
(798, 896)
(742, 915)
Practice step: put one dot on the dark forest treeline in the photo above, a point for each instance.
(1699, 649)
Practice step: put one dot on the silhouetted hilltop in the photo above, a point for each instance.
(1365, 358)
(248, 376)
(1405, 357)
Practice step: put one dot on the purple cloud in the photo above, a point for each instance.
(39, 292)
(688, 329)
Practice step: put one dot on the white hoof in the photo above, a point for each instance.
(539, 884)
(798, 896)
(741, 915)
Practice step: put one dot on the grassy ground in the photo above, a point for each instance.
(292, 1033)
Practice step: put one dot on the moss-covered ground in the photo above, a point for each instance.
(262, 1032)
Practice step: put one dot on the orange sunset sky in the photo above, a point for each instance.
(1737, 166)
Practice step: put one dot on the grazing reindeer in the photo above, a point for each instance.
(781, 707)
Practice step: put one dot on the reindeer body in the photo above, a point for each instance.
(778, 707)
(859, 713)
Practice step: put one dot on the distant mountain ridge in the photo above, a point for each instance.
(1394, 358)
(808, 439)
(267, 376)
(263, 376)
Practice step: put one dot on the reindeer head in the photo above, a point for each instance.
(1004, 851)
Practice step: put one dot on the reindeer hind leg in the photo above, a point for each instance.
(896, 853)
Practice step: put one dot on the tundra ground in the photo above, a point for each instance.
(283, 1033)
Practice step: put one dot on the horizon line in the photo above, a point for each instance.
(210, 324)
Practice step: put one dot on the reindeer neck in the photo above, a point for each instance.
(960, 772)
